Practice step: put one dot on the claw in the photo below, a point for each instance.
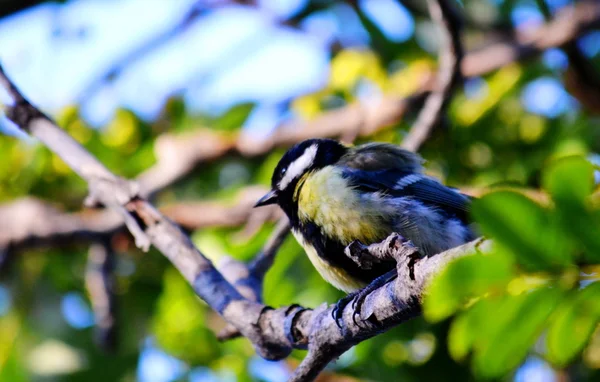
(338, 311)
(357, 304)
(357, 299)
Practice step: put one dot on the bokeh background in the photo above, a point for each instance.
(119, 74)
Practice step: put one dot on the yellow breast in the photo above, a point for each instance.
(326, 199)
(333, 275)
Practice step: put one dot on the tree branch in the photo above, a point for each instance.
(30, 222)
(100, 284)
(320, 354)
(581, 78)
(263, 261)
(250, 282)
(448, 77)
(386, 307)
(178, 155)
(273, 332)
(569, 23)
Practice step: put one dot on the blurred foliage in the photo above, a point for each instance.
(535, 295)
(535, 280)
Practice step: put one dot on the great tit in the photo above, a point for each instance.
(334, 194)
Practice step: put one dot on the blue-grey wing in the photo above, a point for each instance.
(422, 188)
(378, 156)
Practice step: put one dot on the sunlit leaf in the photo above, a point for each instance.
(529, 231)
(461, 336)
(469, 110)
(234, 118)
(511, 326)
(13, 365)
(573, 324)
(570, 178)
(570, 181)
(123, 129)
(349, 66)
(307, 106)
(180, 321)
(463, 279)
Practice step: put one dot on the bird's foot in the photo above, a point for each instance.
(338, 310)
(358, 298)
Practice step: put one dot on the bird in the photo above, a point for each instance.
(335, 194)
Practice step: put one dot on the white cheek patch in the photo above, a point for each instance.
(298, 167)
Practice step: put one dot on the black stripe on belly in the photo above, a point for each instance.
(332, 251)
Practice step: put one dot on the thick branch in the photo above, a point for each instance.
(383, 309)
(274, 332)
(147, 223)
(30, 222)
(177, 156)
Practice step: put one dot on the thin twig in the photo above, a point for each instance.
(451, 54)
(581, 79)
(568, 24)
(100, 283)
(257, 270)
(264, 260)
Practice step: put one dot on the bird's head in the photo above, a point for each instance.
(304, 157)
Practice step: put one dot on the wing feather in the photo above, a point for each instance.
(381, 156)
(397, 183)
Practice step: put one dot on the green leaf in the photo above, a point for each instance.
(14, 367)
(582, 224)
(524, 228)
(463, 279)
(180, 322)
(233, 118)
(573, 325)
(569, 179)
(461, 336)
(510, 327)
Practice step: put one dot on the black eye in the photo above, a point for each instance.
(283, 170)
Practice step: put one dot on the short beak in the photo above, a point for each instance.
(269, 198)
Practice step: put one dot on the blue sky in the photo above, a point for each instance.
(229, 55)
